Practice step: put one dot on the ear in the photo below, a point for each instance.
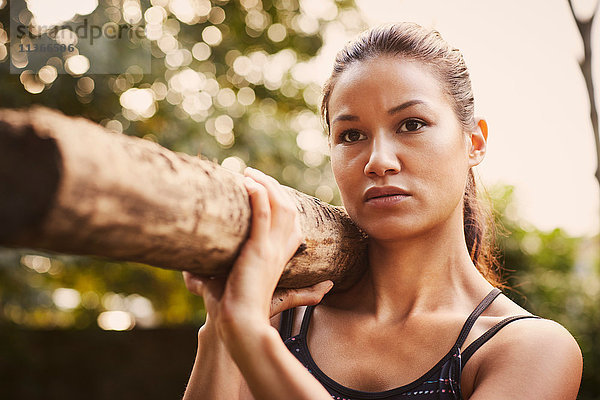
(478, 142)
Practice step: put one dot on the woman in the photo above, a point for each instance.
(403, 142)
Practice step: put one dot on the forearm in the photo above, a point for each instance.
(270, 370)
(214, 375)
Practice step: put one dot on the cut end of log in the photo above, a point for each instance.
(29, 174)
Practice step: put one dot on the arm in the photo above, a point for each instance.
(533, 359)
(242, 348)
(215, 375)
(270, 370)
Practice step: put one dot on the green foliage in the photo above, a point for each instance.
(246, 96)
(557, 277)
(254, 103)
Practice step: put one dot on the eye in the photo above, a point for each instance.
(411, 125)
(350, 136)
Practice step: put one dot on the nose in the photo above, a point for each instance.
(383, 158)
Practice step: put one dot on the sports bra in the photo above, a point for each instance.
(441, 382)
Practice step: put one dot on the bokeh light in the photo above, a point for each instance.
(223, 124)
(138, 101)
(155, 15)
(132, 13)
(66, 298)
(277, 32)
(48, 13)
(77, 65)
(246, 96)
(212, 35)
(114, 125)
(201, 51)
(115, 321)
(189, 11)
(324, 193)
(31, 82)
(217, 15)
(37, 263)
(48, 74)
(234, 164)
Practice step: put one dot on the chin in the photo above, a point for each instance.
(390, 228)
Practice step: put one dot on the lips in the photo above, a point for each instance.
(384, 191)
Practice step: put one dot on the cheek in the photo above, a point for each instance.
(341, 172)
(448, 171)
(347, 174)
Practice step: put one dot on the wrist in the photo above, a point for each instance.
(210, 339)
(245, 333)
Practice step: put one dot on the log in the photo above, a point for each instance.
(68, 185)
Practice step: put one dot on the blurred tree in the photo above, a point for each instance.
(556, 277)
(230, 80)
(585, 26)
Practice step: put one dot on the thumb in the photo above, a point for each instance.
(284, 299)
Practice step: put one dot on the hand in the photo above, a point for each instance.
(283, 299)
(246, 297)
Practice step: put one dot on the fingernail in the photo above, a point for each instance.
(330, 285)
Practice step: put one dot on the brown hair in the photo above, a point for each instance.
(413, 42)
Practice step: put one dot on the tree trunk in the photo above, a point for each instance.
(68, 185)
(585, 27)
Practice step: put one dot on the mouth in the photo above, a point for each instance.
(383, 192)
(386, 195)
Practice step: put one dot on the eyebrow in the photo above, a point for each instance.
(402, 106)
(391, 111)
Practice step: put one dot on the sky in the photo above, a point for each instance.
(523, 60)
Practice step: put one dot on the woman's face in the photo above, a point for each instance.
(392, 124)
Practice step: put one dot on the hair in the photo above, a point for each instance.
(413, 42)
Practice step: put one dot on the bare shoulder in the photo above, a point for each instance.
(529, 359)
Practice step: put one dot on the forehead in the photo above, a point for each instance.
(383, 83)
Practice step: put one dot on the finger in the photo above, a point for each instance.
(282, 206)
(284, 299)
(204, 286)
(295, 239)
(193, 283)
(264, 179)
(261, 210)
(212, 293)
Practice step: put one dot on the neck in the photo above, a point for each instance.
(416, 274)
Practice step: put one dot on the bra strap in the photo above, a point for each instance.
(285, 326)
(488, 335)
(305, 320)
(463, 333)
(474, 315)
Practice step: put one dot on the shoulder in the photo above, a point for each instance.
(529, 359)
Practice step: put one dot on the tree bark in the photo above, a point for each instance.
(68, 185)
(585, 30)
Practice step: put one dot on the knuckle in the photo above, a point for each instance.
(261, 213)
(288, 210)
(260, 189)
(297, 233)
(254, 249)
